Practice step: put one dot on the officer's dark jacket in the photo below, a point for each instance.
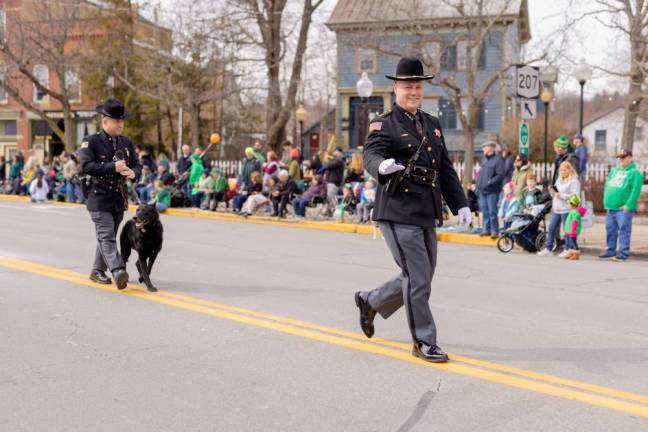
(394, 135)
(97, 160)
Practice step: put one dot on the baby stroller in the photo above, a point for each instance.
(179, 197)
(528, 231)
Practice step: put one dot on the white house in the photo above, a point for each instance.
(603, 136)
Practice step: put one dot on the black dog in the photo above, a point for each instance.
(143, 233)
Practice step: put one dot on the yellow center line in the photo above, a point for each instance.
(396, 350)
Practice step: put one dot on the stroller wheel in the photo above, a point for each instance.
(505, 244)
(541, 239)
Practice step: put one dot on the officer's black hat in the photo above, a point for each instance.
(114, 109)
(409, 69)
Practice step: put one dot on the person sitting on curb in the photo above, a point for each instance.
(38, 188)
(218, 192)
(162, 196)
(257, 198)
(620, 195)
(281, 195)
(317, 189)
(255, 186)
(572, 228)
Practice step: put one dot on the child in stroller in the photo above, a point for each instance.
(527, 230)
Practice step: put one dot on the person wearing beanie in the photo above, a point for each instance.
(38, 188)
(564, 152)
(489, 184)
(294, 170)
(250, 164)
(572, 227)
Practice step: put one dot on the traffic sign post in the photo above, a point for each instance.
(527, 82)
(528, 109)
(524, 138)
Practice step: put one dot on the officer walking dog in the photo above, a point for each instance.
(406, 153)
(109, 159)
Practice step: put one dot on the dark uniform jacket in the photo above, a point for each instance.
(106, 192)
(394, 135)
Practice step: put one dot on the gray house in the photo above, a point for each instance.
(373, 35)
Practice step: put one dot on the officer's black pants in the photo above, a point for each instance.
(107, 256)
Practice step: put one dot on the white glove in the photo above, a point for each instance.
(389, 166)
(465, 218)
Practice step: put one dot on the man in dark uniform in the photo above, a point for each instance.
(109, 159)
(406, 153)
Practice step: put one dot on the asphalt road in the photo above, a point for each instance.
(255, 329)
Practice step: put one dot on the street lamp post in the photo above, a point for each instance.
(582, 73)
(545, 97)
(365, 88)
(301, 115)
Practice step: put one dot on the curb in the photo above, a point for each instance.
(459, 238)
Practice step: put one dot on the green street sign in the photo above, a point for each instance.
(524, 138)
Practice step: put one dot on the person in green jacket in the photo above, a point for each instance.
(196, 170)
(620, 196)
(573, 226)
(162, 196)
(218, 190)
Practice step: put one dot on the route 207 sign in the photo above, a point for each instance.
(527, 83)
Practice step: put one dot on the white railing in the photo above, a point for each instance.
(595, 171)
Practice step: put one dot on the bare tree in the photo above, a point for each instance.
(273, 39)
(46, 42)
(630, 19)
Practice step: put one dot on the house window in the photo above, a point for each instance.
(431, 55)
(447, 114)
(8, 127)
(41, 73)
(599, 140)
(449, 58)
(367, 61)
(462, 55)
(73, 85)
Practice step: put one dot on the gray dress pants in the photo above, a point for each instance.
(107, 256)
(414, 249)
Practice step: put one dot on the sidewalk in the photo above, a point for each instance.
(592, 241)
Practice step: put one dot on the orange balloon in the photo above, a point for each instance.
(214, 138)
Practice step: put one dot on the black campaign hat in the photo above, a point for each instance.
(409, 69)
(114, 109)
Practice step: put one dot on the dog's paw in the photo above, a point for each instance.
(141, 279)
(152, 289)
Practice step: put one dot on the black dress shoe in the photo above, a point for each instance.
(433, 354)
(99, 277)
(121, 278)
(367, 315)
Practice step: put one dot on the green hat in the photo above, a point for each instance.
(562, 142)
(195, 156)
(574, 200)
(215, 170)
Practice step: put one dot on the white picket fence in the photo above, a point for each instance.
(595, 171)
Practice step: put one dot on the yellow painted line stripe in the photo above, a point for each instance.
(448, 237)
(393, 344)
(496, 377)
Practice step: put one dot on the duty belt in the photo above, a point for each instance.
(424, 175)
(113, 184)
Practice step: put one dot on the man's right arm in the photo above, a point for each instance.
(89, 165)
(376, 149)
